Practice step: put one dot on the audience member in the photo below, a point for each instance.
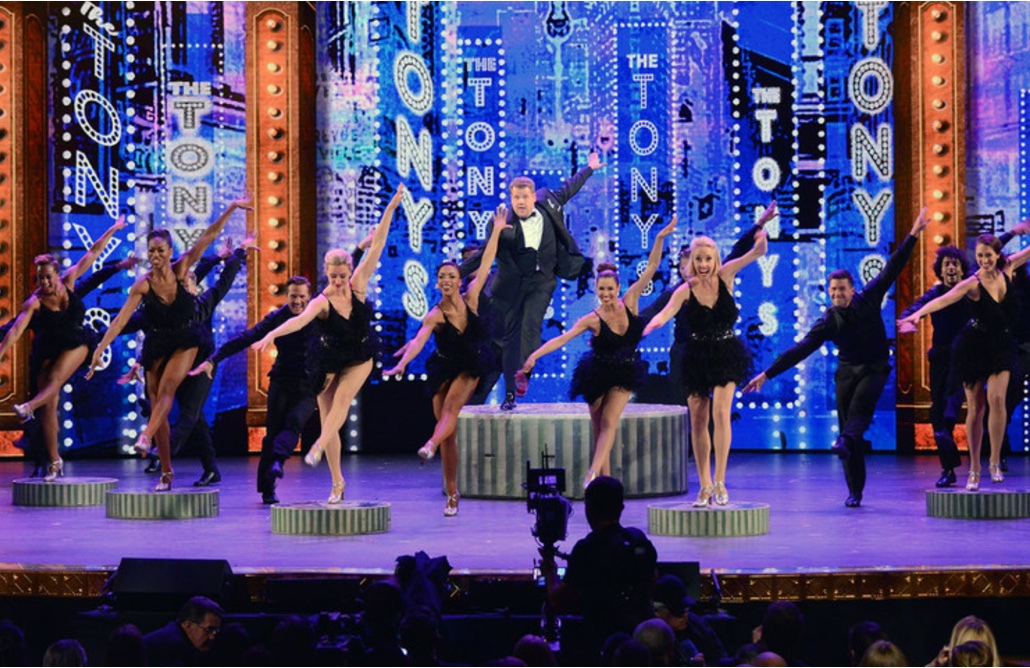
(125, 647)
(380, 624)
(534, 651)
(860, 637)
(292, 642)
(782, 631)
(969, 628)
(419, 633)
(694, 634)
(12, 644)
(632, 653)
(65, 653)
(230, 645)
(768, 658)
(971, 653)
(883, 653)
(187, 640)
(660, 641)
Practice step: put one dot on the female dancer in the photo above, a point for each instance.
(175, 334)
(463, 354)
(607, 375)
(342, 354)
(715, 360)
(60, 342)
(984, 351)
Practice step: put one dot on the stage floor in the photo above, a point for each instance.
(810, 529)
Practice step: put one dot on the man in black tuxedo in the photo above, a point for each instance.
(530, 257)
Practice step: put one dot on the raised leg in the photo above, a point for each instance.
(613, 403)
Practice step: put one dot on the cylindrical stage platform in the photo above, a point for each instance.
(173, 505)
(683, 519)
(649, 456)
(349, 518)
(958, 504)
(63, 492)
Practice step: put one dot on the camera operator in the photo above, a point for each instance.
(610, 573)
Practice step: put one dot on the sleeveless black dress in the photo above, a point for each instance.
(467, 352)
(986, 345)
(341, 342)
(613, 361)
(172, 326)
(54, 332)
(714, 355)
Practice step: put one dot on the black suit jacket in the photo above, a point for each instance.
(515, 262)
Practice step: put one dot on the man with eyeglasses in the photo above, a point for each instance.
(186, 641)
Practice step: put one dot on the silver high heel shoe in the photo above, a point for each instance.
(314, 455)
(165, 485)
(722, 497)
(704, 496)
(338, 489)
(53, 470)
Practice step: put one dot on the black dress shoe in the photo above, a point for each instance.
(947, 478)
(840, 448)
(509, 402)
(268, 498)
(153, 465)
(209, 478)
(853, 501)
(276, 470)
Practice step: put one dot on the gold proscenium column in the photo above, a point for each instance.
(281, 169)
(931, 124)
(24, 191)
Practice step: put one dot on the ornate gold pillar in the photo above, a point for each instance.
(24, 183)
(931, 171)
(281, 137)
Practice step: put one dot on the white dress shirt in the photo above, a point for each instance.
(533, 230)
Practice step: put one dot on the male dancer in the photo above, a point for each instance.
(853, 323)
(291, 399)
(537, 249)
(946, 393)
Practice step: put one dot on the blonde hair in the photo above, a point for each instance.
(974, 628)
(338, 256)
(703, 242)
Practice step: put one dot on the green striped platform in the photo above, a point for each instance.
(348, 518)
(649, 456)
(172, 505)
(987, 504)
(72, 491)
(733, 519)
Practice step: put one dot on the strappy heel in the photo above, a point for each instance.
(427, 452)
(24, 412)
(314, 455)
(973, 483)
(143, 446)
(722, 497)
(338, 489)
(451, 509)
(591, 476)
(996, 474)
(53, 470)
(704, 496)
(165, 484)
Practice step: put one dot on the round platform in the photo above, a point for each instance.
(349, 518)
(990, 503)
(733, 519)
(174, 505)
(649, 456)
(63, 492)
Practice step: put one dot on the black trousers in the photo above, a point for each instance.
(946, 397)
(291, 404)
(523, 323)
(191, 427)
(859, 387)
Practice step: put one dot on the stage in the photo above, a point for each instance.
(815, 549)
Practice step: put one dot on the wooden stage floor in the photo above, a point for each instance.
(815, 548)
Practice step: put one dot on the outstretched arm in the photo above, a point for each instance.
(1018, 258)
(475, 287)
(877, 288)
(315, 307)
(359, 281)
(28, 309)
(128, 308)
(588, 321)
(907, 325)
(190, 257)
(632, 296)
(80, 267)
(412, 348)
(672, 308)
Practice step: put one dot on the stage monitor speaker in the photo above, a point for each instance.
(166, 584)
(688, 571)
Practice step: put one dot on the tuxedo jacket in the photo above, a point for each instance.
(558, 255)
